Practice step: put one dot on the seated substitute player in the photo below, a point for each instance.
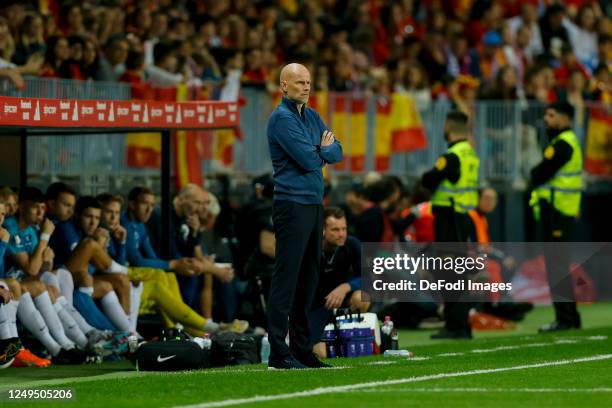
(161, 289)
(40, 309)
(340, 279)
(60, 199)
(95, 273)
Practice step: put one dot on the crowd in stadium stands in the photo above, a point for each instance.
(541, 50)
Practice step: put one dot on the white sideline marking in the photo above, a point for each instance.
(449, 354)
(597, 338)
(479, 390)
(359, 386)
(502, 348)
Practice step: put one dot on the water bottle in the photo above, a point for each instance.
(265, 349)
(398, 353)
(329, 334)
(385, 334)
(394, 339)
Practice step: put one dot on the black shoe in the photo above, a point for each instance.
(311, 361)
(8, 350)
(452, 334)
(558, 326)
(286, 363)
(70, 357)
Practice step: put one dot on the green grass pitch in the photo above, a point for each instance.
(496, 369)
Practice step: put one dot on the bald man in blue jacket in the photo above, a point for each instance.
(300, 146)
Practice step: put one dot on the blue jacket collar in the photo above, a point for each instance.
(293, 106)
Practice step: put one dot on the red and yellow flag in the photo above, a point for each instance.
(358, 130)
(598, 154)
(143, 150)
(382, 135)
(407, 130)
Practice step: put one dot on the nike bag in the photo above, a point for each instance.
(234, 349)
(171, 355)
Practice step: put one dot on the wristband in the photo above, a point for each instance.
(45, 237)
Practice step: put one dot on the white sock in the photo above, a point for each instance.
(49, 278)
(210, 326)
(80, 320)
(117, 268)
(66, 283)
(46, 309)
(71, 327)
(11, 313)
(113, 310)
(33, 321)
(88, 290)
(135, 292)
(5, 330)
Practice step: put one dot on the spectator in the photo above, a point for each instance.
(163, 73)
(529, 20)
(417, 85)
(602, 84)
(583, 34)
(505, 86)
(112, 63)
(576, 94)
(569, 63)
(551, 27)
(492, 56)
(57, 60)
(9, 69)
(31, 39)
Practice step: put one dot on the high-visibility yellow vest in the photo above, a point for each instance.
(564, 190)
(464, 193)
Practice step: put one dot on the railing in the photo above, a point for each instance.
(509, 137)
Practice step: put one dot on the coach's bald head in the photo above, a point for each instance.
(295, 83)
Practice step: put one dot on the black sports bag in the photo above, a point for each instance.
(233, 349)
(171, 355)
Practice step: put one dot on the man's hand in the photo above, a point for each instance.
(102, 236)
(48, 255)
(193, 222)
(4, 235)
(327, 138)
(335, 298)
(47, 227)
(224, 274)
(5, 296)
(184, 266)
(119, 233)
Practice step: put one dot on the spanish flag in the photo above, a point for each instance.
(358, 130)
(144, 150)
(598, 155)
(407, 132)
(340, 115)
(187, 162)
(382, 135)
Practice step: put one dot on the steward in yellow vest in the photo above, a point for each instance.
(556, 185)
(454, 184)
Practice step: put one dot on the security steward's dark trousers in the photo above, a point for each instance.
(299, 234)
(450, 226)
(556, 227)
